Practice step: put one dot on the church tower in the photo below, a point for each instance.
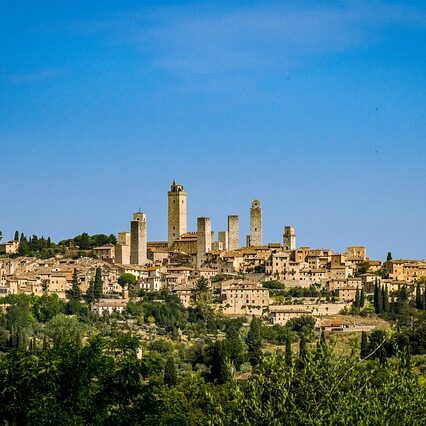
(176, 212)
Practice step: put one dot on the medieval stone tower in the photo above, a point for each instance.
(233, 233)
(122, 248)
(255, 224)
(289, 238)
(138, 239)
(176, 212)
(204, 239)
(223, 240)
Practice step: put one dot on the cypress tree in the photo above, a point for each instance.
(385, 299)
(364, 345)
(424, 299)
(288, 353)
(75, 292)
(376, 297)
(322, 343)
(389, 256)
(90, 293)
(97, 286)
(379, 300)
(220, 371)
(357, 302)
(418, 296)
(393, 307)
(254, 341)
(362, 298)
(302, 348)
(170, 374)
(16, 238)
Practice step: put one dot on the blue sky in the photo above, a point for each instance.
(317, 108)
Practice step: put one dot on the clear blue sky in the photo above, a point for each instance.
(317, 108)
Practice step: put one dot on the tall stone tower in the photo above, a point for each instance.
(138, 239)
(122, 248)
(255, 223)
(233, 232)
(204, 239)
(176, 212)
(223, 239)
(289, 238)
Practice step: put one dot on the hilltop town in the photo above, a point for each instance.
(273, 281)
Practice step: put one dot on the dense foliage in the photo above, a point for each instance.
(105, 382)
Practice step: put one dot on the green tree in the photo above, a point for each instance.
(16, 238)
(254, 341)
(389, 257)
(98, 285)
(220, 366)
(90, 292)
(127, 279)
(47, 306)
(24, 247)
(303, 353)
(288, 352)
(75, 292)
(418, 296)
(364, 345)
(170, 374)
(236, 348)
(64, 328)
(362, 298)
(385, 297)
(378, 299)
(304, 324)
(357, 302)
(322, 342)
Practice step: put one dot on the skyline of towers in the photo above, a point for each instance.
(255, 238)
(138, 239)
(133, 247)
(289, 238)
(204, 239)
(177, 212)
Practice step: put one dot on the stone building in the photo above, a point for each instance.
(244, 298)
(289, 238)
(138, 236)
(186, 243)
(356, 253)
(233, 233)
(204, 239)
(106, 252)
(177, 219)
(10, 247)
(255, 224)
